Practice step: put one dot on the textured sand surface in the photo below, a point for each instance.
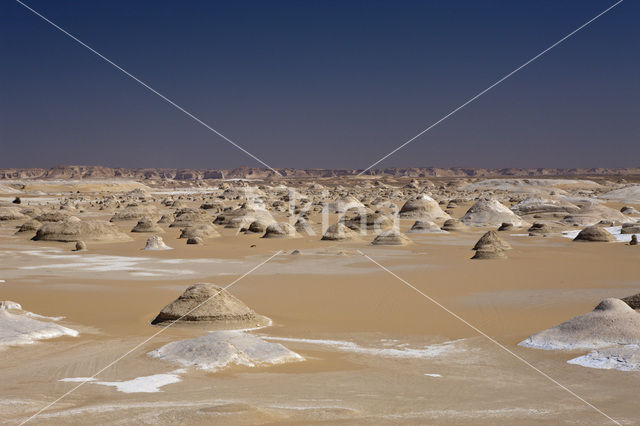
(374, 350)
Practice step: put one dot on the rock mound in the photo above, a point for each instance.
(595, 234)
(339, 232)
(423, 207)
(630, 228)
(490, 213)
(425, 227)
(610, 323)
(632, 301)
(453, 225)
(74, 229)
(372, 221)
(134, 212)
(11, 213)
(30, 226)
(490, 246)
(491, 239)
(392, 237)
(202, 231)
(204, 302)
(156, 243)
(279, 230)
(147, 224)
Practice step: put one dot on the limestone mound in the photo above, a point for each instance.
(11, 213)
(633, 301)
(453, 225)
(630, 228)
(489, 253)
(134, 212)
(592, 213)
(629, 211)
(156, 243)
(540, 205)
(506, 226)
(595, 234)
(368, 221)
(425, 227)
(490, 213)
(491, 239)
(391, 237)
(279, 230)
(204, 302)
(190, 217)
(339, 232)
(202, 231)
(29, 226)
(74, 229)
(423, 207)
(52, 216)
(610, 323)
(539, 228)
(147, 224)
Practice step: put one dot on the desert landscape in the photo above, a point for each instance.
(303, 299)
(319, 212)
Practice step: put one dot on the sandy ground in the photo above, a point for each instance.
(375, 351)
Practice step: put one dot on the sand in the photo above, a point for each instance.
(374, 350)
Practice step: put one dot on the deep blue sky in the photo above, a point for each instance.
(332, 84)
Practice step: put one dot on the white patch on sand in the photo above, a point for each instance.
(399, 351)
(77, 379)
(220, 349)
(432, 374)
(144, 384)
(19, 328)
(624, 358)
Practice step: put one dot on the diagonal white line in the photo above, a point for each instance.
(127, 73)
(491, 339)
(491, 87)
(146, 340)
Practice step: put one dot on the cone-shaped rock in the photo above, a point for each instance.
(491, 240)
(425, 227)
(612, 322)
(339, 232)
(391, 237)
(216, 305)
(490, 212)
(423, 207)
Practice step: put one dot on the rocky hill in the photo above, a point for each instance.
(100, 172)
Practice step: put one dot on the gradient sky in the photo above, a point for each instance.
(328, 84)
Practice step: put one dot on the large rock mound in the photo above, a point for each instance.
(490, 213)
(339, 232)
(423, 207)
(595, 234)
(74, 229)
(204, 302)
(392, 237)
(610, 323)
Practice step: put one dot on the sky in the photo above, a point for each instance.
(320, 84)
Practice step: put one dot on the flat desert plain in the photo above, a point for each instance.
(326, 302)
